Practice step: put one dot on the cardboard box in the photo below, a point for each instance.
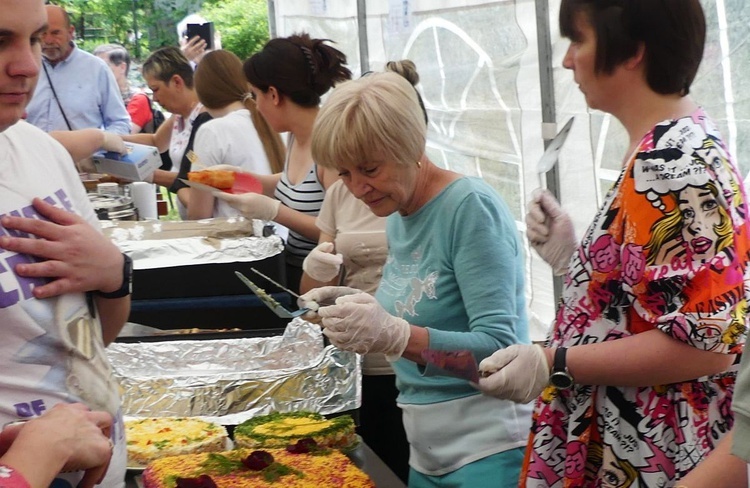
(139, 162)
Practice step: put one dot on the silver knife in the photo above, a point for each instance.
(549, 158)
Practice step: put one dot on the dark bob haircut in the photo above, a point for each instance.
(673, 33)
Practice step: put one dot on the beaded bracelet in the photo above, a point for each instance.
(10, 478)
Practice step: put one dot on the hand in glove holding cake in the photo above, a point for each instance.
(550, 231)
(322, 264)
(252, 205)
(358, 323)
(518, 373)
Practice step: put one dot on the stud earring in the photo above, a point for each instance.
(419, 164)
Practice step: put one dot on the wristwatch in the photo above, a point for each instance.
(127, 280)
(560, 377)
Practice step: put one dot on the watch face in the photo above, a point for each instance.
(561, 380)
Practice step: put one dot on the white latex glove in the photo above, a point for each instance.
(358, 323)
(321, 297)
(252, 205)
(113, 142)
(550, 231)
(518, 373)
(321, 264)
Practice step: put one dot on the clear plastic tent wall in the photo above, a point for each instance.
(480, 78)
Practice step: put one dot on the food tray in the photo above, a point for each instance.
(231, 380)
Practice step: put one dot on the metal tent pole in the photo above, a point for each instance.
(364, 49)
(271, 6)
(549, 117)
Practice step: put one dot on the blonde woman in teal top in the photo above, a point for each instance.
(453, 280)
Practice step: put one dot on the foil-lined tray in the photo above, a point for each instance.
(230, 381)
(161, 244)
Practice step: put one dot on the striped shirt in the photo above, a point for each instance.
(305, 197)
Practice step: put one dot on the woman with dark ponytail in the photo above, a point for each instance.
(288, 77)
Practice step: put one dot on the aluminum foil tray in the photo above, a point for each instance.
(229, 381)
(154, 244)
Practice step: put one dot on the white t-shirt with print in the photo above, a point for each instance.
(52, 349)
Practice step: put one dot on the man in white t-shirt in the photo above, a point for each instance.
(64, 287)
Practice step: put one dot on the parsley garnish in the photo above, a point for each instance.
(222, 464)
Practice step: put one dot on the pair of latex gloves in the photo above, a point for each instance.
(521, 372)
(357, 322)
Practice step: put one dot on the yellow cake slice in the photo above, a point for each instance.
(329, 469)
(283, 429)
(154, 438)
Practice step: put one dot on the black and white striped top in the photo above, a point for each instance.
(305, 197)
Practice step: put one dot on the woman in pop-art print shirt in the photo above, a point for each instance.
(655, 294)
(668, 251)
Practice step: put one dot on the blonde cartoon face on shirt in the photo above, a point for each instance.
(612, 472)
(697, 228)
(701, 219)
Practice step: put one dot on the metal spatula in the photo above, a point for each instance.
(269, 301)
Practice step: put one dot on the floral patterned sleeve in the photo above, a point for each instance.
(684, 227)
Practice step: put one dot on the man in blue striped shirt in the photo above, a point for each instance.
(76, 90)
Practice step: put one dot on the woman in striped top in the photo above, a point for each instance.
(288, 77)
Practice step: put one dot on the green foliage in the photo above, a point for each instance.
(100, 20)
(243, 24)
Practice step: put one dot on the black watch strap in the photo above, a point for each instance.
(560, 377)
(559, 365)
(127, 281)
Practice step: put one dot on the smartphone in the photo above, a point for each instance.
(205, 31)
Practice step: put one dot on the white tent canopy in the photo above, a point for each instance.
(487, 98)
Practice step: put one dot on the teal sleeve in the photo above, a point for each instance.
(488, 266)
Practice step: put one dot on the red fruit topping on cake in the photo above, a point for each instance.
(258, 460)
(303, 446)
(202, 481)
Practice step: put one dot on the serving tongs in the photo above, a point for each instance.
(268, 300)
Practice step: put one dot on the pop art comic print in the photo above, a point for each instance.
(668, 250)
